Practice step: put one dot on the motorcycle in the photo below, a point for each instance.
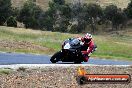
(70, 52)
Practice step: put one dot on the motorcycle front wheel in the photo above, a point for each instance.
(56, 57)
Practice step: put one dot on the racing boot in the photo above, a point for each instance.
(86, 58)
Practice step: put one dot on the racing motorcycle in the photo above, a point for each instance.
(70, 52)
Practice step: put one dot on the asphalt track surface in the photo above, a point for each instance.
(17, 58)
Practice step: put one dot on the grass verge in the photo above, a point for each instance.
(5, 71)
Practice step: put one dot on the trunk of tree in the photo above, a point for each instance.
(93, 25)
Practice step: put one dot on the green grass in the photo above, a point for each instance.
(5, 71)
(109, 46)
(114, 47)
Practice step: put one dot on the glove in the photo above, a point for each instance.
(81, 43)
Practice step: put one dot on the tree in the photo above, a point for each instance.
(62, 18)
(29, 14)
(120, 18)
(78, 20)
(15, 12)
(66, 11)
(110, 12)
(11, 22)
(115, 15)
(60, 2)
(5, 10)
(46, 21)
(47, 18)
(94, 14)
(128, 10)
(56, 17)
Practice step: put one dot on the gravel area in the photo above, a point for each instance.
(21, 45)
(59, 77)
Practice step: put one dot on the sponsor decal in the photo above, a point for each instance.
(84, 78)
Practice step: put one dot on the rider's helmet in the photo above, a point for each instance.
(87, 38)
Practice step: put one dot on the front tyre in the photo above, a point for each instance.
(56, 57)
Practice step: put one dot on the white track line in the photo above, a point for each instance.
(16, 66)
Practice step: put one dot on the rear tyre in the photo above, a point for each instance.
(56, 57)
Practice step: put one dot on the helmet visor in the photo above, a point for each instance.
(87, 40)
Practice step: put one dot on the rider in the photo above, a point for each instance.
(88, 46)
